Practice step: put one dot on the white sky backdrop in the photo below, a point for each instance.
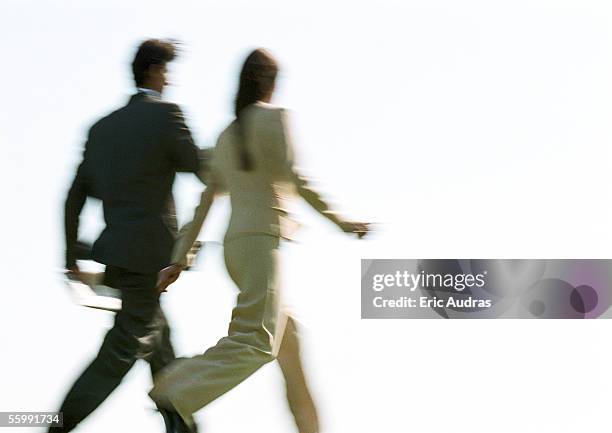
(467, 129)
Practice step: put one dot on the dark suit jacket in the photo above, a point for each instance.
(130, 160)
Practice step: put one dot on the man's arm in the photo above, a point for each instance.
(72, 211)
(181, 149)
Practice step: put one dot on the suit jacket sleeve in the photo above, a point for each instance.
(77, 194)
(285, 160)
(182, 151)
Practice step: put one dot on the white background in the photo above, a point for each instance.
(466, 129)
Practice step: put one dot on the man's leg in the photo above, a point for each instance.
(158, 352)
(119, 350)
(163, 352)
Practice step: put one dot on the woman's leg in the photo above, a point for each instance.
(189, 384)
(298, 395)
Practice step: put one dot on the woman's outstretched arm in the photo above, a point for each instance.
(285, 159)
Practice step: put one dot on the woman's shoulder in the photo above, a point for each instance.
(254, 117)
(265, 110)
(265, 106)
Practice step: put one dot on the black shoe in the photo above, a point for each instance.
(174, 423)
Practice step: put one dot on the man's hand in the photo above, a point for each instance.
(360, 229)
(167, 276)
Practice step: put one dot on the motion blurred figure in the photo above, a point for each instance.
(253, 161)
(130, 160)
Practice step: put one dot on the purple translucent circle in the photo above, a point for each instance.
(584, 299)
(537, 308)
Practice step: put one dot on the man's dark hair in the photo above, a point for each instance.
(151, 52)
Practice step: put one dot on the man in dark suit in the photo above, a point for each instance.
(130, 160)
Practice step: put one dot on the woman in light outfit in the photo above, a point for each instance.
(253, 161)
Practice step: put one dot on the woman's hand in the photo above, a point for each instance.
(358, 228)
(167, 276)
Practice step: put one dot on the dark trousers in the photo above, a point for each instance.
(140, 332)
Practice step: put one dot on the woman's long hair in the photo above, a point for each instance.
(257, 80)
